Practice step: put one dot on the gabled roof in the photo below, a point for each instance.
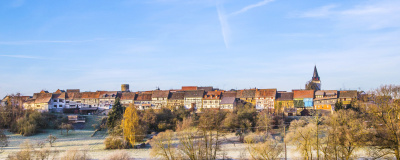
(43, 91)
(229, 94)
(208, 88)
(43, 98)
(326, 93)
(128, 95)
(73, 90)
(348, 94)
(189, 88)
(284, 96)
(303, 93)
(87, 95)
(177, 96)
(143, 97)
(108, 94)
(63, 95)
(213, 95)
(198, 93)
(227, 100)
(246, 93)
(54, 96)
(59, 91)
(263, 93)
(160, 94)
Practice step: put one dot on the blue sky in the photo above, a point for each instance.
(98, 45)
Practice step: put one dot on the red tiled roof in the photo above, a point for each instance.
(43, 98)
(73, 90)
(160, 94)
(107, 94)
(85, 95)
(128, 95)
(59, 91)
(177, 96)
(284, 96)
(303, 93)
(187, 88)
(348, 94)
(213, 95)
(263, 93)
(246, 93)
(143, 97)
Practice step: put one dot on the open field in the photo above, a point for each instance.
(82, 140)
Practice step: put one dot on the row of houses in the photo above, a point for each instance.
(189, 97)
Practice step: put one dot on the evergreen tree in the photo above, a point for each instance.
(115, 115)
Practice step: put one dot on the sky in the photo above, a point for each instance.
(228, 44)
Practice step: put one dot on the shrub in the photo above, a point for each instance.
(255, 138)
(75, 155)
(115, 143)
(51, 139)
(26, 152)
(26, 127)
(119, 155)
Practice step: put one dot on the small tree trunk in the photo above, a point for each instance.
(397, 153)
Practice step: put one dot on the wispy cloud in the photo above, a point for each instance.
(371, 16)
(21, 56)
(44, 41)
(245, 9)
(225, 29)
(323, 11)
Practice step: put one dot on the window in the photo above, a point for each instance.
(55, 106)
(55, 100)
(60, 106)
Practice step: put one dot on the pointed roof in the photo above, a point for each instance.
(315, 75)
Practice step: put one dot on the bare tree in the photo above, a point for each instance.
(162, 146)
(383, 116)
(344, 134)
(51, 139)
(269, 149)
(301, 135)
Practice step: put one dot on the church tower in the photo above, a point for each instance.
(315, 79)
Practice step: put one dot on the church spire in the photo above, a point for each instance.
(315, 75)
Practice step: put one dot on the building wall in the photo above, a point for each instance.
(159, 103)
(285, 104)
(325, 104)
(175, 103)
(126, 102)
(211, 103)
(265, 103)
(196, 101)
(142, 105)
(105, 103)
(249, 100)
(308, 102)
(42, 107)
(346, 101)
(57, 105)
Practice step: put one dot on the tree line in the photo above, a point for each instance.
(370, 124)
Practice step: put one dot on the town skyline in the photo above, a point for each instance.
(171, 43)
